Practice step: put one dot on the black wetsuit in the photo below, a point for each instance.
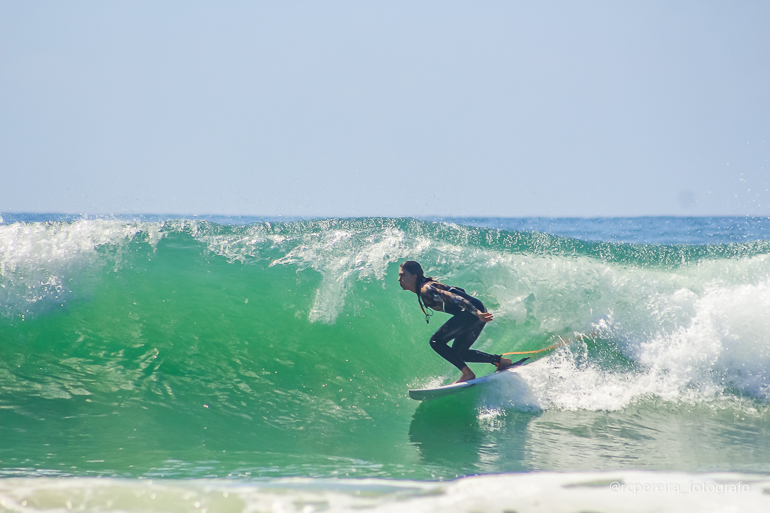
(464, 326)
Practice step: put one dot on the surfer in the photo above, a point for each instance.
(468, 319)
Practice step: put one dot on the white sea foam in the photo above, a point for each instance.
(687, 344)
(340, 256)
(623, 491)
(37, 260)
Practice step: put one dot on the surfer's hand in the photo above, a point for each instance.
(484, 316)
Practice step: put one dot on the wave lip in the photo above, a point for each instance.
(38, 259)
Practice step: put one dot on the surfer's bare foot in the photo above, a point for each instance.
(467, 375)
(504, 363)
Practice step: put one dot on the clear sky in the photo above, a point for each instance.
(385, 108)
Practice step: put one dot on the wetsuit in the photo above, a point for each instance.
(464, 326)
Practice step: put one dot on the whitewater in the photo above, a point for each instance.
(240, 364)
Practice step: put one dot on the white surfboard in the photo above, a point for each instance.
(424, 394)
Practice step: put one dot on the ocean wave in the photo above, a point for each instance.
(187, 337)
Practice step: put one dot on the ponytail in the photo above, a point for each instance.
(415, 268)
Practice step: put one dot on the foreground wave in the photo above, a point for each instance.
(535, 492)
(194, 349)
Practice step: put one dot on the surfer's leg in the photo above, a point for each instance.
(440, 340)
(463, 342)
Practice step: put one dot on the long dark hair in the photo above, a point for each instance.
(415, 268)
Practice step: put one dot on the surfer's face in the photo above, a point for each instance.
(406, 279)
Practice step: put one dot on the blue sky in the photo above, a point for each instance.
(385, 108)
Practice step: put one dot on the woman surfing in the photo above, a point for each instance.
(468, 319)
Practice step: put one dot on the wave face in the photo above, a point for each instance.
(194, 349)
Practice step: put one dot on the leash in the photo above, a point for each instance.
(561, 343)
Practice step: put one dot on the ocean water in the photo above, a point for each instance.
(244, 364)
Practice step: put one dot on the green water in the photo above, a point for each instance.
(200, 350)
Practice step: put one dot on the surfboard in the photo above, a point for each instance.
(425, 394)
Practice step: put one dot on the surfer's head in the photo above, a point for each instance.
(410, 275)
